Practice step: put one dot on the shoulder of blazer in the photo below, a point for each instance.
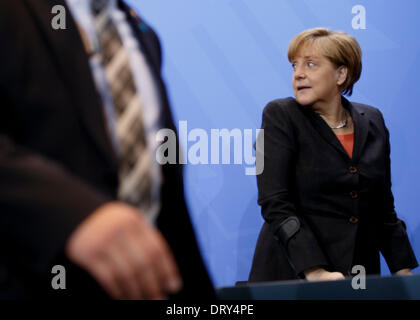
(283, 103)
(372, 113)
(290, 106)
(281, 107)
(286, 112)
(291, 109)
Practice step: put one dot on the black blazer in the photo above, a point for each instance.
(320, 206)
(57, 164)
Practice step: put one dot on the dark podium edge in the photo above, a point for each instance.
(377, 288)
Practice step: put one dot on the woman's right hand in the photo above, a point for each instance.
(320, 274)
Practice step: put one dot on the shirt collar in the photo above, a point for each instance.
(112, 4)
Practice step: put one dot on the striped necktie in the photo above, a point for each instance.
(134, 158)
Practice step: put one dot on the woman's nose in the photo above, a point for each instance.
(299, 74)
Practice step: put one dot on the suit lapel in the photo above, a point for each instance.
(150, 47)
(361, 127)
(141, 31)
(361, 130)
(72, 64)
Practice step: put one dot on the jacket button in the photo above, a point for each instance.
(354, 194)
(352, 169)
(353, 220)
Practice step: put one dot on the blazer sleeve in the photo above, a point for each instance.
(41, 203)
(394, 243)
(275, 192)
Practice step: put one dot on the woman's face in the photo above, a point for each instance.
(315, 78)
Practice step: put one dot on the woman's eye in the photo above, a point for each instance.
(294, 66)
(310, 64)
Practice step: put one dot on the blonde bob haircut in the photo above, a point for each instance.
(337, 46)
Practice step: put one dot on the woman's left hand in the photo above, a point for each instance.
(404, 272)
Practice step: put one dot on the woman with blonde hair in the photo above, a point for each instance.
(325, 192)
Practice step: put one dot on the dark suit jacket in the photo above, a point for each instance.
(320, 206)
(57, 164)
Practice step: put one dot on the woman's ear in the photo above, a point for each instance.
(341, 75)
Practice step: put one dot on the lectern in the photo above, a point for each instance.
(376, 288)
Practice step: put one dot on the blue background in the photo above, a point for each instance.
(224, 60)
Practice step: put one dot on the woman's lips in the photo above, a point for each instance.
(303, 88)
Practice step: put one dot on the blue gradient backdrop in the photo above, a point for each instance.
(224, 60)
